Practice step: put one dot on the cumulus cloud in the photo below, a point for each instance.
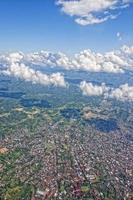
(15, 68)
(123, 93)
(113, 62)
(126, 54)
(116, 61)
(15, 57)
(93, 90)
(45, 58)
(28, 74)
(96, 62)
(86, 12)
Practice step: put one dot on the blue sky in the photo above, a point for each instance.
(33, 25)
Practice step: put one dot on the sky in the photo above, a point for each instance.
(34, 25)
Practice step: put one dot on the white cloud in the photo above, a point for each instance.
(93, 90)
(90, 19)
(96, 62)
(15, 57)
(88, 12)
(123, 93)
(112, 62)
(126, 54)
(15, 68)
(116, 61)
(85, 60)
(28, 74)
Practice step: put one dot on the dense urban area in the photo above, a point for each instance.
(57, 148)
